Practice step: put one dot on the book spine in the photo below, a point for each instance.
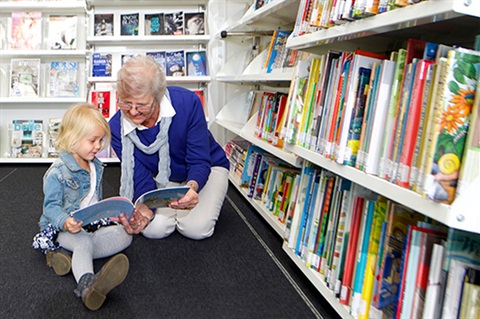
(390, 128)
(362, 256)
(350, 257)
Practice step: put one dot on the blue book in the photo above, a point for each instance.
(129, 24)
(160, 57)
(309, 173)
(362, 258)
(114, 206)
(196, 63)
(101, 64)
(175, 63)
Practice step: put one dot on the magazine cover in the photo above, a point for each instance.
(101, 99)
(154, 24)
(62, 32)
(101, 64)
(26, 30)
(114, 206)
(129, 24)
(63, 79)
(103, 24)
(196, 63)
(175, 63)
(24, 77)
(174, 23)
(27, 138)
(194, 23)
(52, 132)
(160, 57)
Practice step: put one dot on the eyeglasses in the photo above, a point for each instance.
(141, 108)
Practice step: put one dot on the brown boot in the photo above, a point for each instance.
(94, 288)
(60, 261)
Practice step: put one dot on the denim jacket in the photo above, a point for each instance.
(65, 184)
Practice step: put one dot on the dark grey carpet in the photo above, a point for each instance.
(231, 275)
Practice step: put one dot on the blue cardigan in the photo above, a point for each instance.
(193, 150)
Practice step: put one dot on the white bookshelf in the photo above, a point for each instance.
(442, 21)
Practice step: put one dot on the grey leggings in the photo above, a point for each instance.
(86, 247)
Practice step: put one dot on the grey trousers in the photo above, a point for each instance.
(85, 246)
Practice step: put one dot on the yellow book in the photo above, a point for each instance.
(309, 99)
(379, 217)
(426, 155)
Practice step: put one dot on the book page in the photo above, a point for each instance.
(162, 197)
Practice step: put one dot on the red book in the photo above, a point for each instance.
(412, 122)
(350, 257)
(405, 257)
(101, 99)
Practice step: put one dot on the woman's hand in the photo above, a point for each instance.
(189, 201)
(72, 226)
(138, 222)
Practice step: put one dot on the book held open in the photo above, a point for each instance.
(114, 206)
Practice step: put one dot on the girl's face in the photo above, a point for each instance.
(89, 145)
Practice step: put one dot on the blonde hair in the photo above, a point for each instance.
(141, 76)
(78, 121)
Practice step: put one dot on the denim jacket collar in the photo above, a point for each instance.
(72, 163)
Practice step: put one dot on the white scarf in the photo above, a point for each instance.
(160, 145)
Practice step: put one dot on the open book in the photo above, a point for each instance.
(114, 206)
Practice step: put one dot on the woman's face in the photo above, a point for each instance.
(141, 111)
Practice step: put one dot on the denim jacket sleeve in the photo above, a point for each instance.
(54, 194)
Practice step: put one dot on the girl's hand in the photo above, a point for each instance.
(72, 226)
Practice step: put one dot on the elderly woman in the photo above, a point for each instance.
(161, 137)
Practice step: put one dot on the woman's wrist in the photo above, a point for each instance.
(193, 185)
(148, 219)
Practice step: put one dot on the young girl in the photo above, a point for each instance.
(73, 181)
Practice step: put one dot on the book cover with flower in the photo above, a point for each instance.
(453, 124)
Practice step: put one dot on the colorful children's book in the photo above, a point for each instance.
(471, 158)
(399, 219)
(375, 119)
(351, 253)
(411, 122)
(275, 51)
(361, 60)
(463, 71)
(379, 215)
(114, 206)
